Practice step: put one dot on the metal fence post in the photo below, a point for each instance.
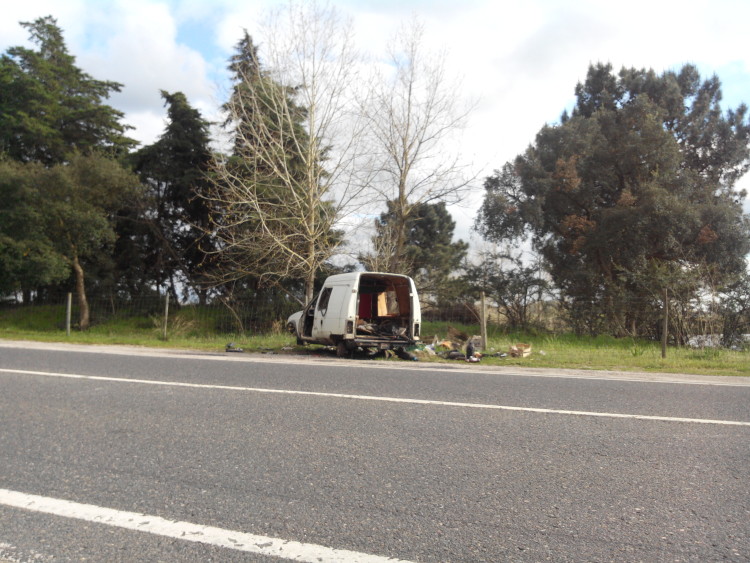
(68, 313)
(166, 314)
(665, 325)
(483, 321)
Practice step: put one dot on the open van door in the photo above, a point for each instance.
(332, 309)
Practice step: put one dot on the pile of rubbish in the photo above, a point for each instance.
(385, 328)
(460, 346)
(456, 346)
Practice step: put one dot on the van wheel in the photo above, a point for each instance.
(342, 351)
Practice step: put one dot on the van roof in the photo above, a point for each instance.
(354, 276)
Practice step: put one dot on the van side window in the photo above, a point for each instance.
(325, 297)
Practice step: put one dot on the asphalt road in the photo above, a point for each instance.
(359, 459)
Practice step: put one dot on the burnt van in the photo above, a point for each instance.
(370, 310)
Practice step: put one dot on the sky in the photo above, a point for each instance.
(518, 60)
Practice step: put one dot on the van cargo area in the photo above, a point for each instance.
(383, 306)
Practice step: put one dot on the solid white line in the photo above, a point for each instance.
(187, 531)
(455, 368)
(384, 399)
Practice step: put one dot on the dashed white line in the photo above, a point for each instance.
(402, 400)
(232, 539)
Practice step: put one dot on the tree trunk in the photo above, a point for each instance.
(309, 285)
(401, 213)
(83, 304)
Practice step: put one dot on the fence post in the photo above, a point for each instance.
(166, 314)
(665, 326)
(483, 323)
(68, 313)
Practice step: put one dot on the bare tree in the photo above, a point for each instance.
(412, 114)
(378, 259)
(296, 163)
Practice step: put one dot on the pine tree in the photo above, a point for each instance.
(631, 192)
(429, 254)
(175, 170)
(49, 107)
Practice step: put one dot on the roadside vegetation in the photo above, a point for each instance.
(622, 223)
(192, 329)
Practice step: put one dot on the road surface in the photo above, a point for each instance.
(116, 454)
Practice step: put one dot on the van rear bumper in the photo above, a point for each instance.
(380, 343)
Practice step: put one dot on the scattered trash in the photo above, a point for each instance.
(704, 341)
(232, 348)
(450, 348)
(406, 355)
(472, 355)
(385, 328)
(520, 350)
(429, 349)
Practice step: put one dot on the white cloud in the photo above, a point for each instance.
(520, 60)
(137, 46)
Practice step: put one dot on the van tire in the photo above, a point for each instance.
(342, 350)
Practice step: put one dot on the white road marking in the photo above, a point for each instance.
(453, 368)
(187, 531)
(382, 399)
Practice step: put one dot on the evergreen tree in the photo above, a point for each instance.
(81, 199)
(249, 186)
(631, 191)
(49, 107)
(53, 118)
(175, 170)
(28, 258)
(429, 254)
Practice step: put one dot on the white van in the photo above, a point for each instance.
(361, 309)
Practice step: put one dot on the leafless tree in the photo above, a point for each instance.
(378, 259)
(298, 142)
(413, 113)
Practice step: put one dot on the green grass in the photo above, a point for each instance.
(191, 328)
(626, 354)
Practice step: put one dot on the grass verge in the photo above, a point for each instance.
(186, 330)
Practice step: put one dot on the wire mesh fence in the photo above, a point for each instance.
(156, 315)
(152, 314)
